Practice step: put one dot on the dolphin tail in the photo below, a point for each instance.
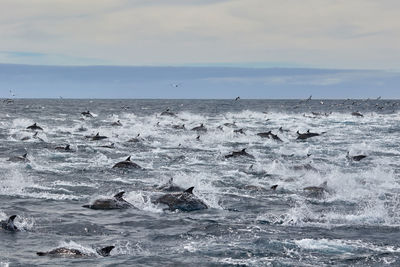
(105, 251)
(189, 190)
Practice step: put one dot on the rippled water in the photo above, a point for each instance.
(355, 221)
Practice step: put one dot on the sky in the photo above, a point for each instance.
(255, 47)
(344, 34)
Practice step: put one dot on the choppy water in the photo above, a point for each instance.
(356, 221)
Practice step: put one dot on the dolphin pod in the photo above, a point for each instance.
(185, 201)
(117, 202)
(8, 225)
(69, 252)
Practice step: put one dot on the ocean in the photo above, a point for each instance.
(327, 208)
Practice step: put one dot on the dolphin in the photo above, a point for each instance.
(116, 123)
(66, 148)
(241, 131)
(109, 146)
(357, 114)
(200, 128)
(128, 164)
(9, 224)
(34, 127)
(179, 127)
(270, 135)
(308, 134)
(167, 112)
(87, 114)
(117, 202)
(69, 252)
(283, 130)
(242, 152)
(170, 186)
(355, 158)
(317, 191)
(98, 137)
(82, 129)
(135, 139)
(34, 136)
(230, 124)
(22, 158)
(185, 201)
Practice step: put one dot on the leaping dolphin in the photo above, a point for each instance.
(357, 114)
(117, 202)
(34, 127)
(128, 164)
(87, 114)
(185, 201)
(70, 252)
(9, 224)
(167, 112)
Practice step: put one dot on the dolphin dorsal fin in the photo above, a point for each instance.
(324, 184)
(298, 132)
(128, 158)
(24, 155)
(11, 219)
(189, 190)
(67, 147)
(119, 195)
(34, 124)
(244, 150)
(105, 251)
(171, 180)
(97, 134)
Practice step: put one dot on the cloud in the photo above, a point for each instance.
(323, 33)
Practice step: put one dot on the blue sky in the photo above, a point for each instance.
(316, 34)
(26, 81)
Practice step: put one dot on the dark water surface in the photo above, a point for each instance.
(355, 220)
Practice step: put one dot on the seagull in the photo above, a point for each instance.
(175, 84)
